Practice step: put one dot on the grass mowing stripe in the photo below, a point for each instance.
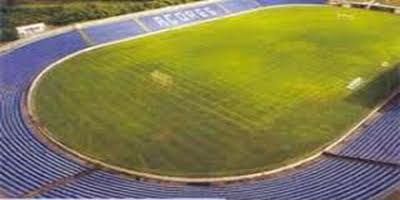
(234, 96)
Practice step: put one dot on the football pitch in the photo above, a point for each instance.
(233, 96)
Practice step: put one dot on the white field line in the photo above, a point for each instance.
(30, 110)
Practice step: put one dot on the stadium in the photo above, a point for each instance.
(216, 99)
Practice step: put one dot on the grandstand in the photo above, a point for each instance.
(382, 5)
(364, 166)
(112, 31)
(384, 149)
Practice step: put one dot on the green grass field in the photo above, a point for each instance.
(228, 97)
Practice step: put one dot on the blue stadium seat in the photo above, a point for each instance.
(22, 64)
(326, 179)
(282, 2)
(239, 5)
(182, 16)
(113, 31)
(26, 163)
(379, 141)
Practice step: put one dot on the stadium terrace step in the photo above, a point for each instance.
(326, 179)
(239, 5)
(57, 183)
(113, 31)
(28, 164)
(179, 17)
(15, 70)
(379, 140)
